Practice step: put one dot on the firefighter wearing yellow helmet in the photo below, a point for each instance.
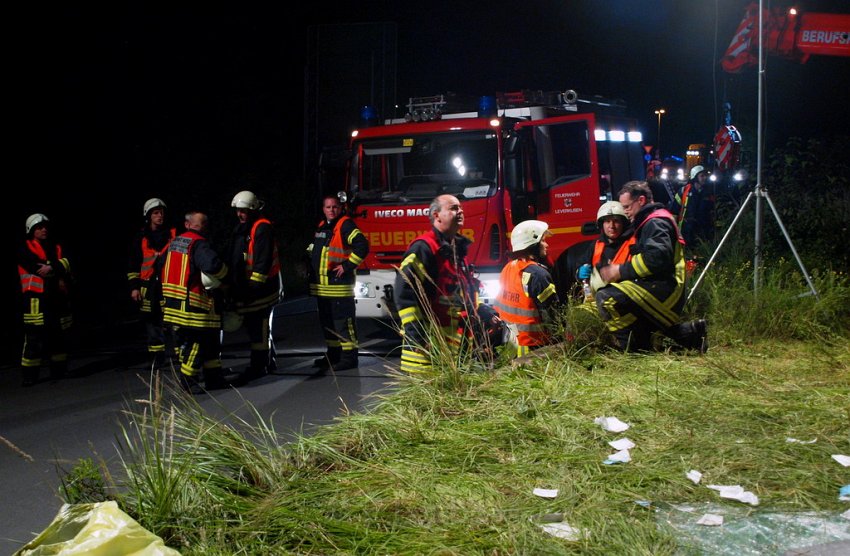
(45, 276)
(527, 297)
(255, 281)
(144, 264)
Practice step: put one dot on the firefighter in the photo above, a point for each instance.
(144, 267)
(191, 274)
(613, 246)
(693, 206)
(436, 292)
(527, 299)
(647, 293)
(255, 281)
(45, 274)
(337, 250)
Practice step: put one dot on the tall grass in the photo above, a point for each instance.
(448, 465)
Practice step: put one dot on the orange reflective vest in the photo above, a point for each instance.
(683, 203)
(622, 255)
(33, 283)
(187, 302)
(150, 255)
(249, 256)
(517, 307)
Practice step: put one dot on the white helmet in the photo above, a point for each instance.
(153, 203)
(34, 219)
(209, 281)
(245, 200)
(696, 170)
(527, 233)
(611, 208)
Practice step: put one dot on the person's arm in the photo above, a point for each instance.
(654, 253)
(263, 254)
(412, 284)
(541, 289)
(134, 266)
(207, 260)
(359, 245)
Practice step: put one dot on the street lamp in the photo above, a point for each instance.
(658, 113)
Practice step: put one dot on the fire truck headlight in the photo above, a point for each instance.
(363, 290)
(489, 290)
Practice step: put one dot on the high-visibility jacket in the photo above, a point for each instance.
(150, 255)
(517, 305)
(187, 302)
(620, 257)
(336, 243)
(32, 283)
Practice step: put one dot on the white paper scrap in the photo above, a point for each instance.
(843, 460)
(694, 475)
(563, 530)
(846, 515)
(546, 492)
(711, 520)
(736, 492)
(622, 444)
(622, 456)
(794, 440)
(611, 424)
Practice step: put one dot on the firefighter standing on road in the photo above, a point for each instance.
(190, 277)
(255, 286)
(45, 275)
(693, 206)
(527, 298)
(647, 293)
(435, 284)
(337, 250)
(143, 274)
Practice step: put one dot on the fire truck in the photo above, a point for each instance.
(552, 156)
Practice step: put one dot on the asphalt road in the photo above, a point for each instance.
(54, 424)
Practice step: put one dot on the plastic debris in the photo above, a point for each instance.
(611, 424)
(844, 493)
(843, 460)
(794, 440)
(546, 492)
(622, 444)
(694, 475)
(622, 456)
(711, 520)
(846, 515)
(563, 530)
(644, 503)
(736, 492)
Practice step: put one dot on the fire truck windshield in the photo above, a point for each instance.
(417, 168)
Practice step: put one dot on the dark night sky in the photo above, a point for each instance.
(114, 106)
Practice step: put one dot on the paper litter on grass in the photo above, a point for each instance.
(843, 460)
(611, 424)
(711, 520)
(622, 456)
(694, 475)
(622, 444)
(563, 530)
(736, 492)
(546, 492)
(846, 515)
(794, 440)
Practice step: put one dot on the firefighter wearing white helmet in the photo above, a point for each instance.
(193, 308)
(693, 206)
(144, 262)
(527, 298)
(45, 277)
(612, 247)
(255, 281)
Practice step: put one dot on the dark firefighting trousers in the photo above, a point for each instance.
(336, 316)
(633, 318)
(44, 336)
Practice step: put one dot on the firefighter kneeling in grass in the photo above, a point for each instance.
(527, 298)
(647, 293)
(436, 293)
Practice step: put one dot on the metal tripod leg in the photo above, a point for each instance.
(791, 245)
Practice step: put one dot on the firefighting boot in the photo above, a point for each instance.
(331, 357)
(190, 384)
(347, 360)
(215, 379)
(29, 376)
(690, 335)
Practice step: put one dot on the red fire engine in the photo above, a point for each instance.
(552, 156)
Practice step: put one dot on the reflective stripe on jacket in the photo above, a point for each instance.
(33, 283)
(516, 306)
(187, 302)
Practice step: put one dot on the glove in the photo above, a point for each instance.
(584, 272)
